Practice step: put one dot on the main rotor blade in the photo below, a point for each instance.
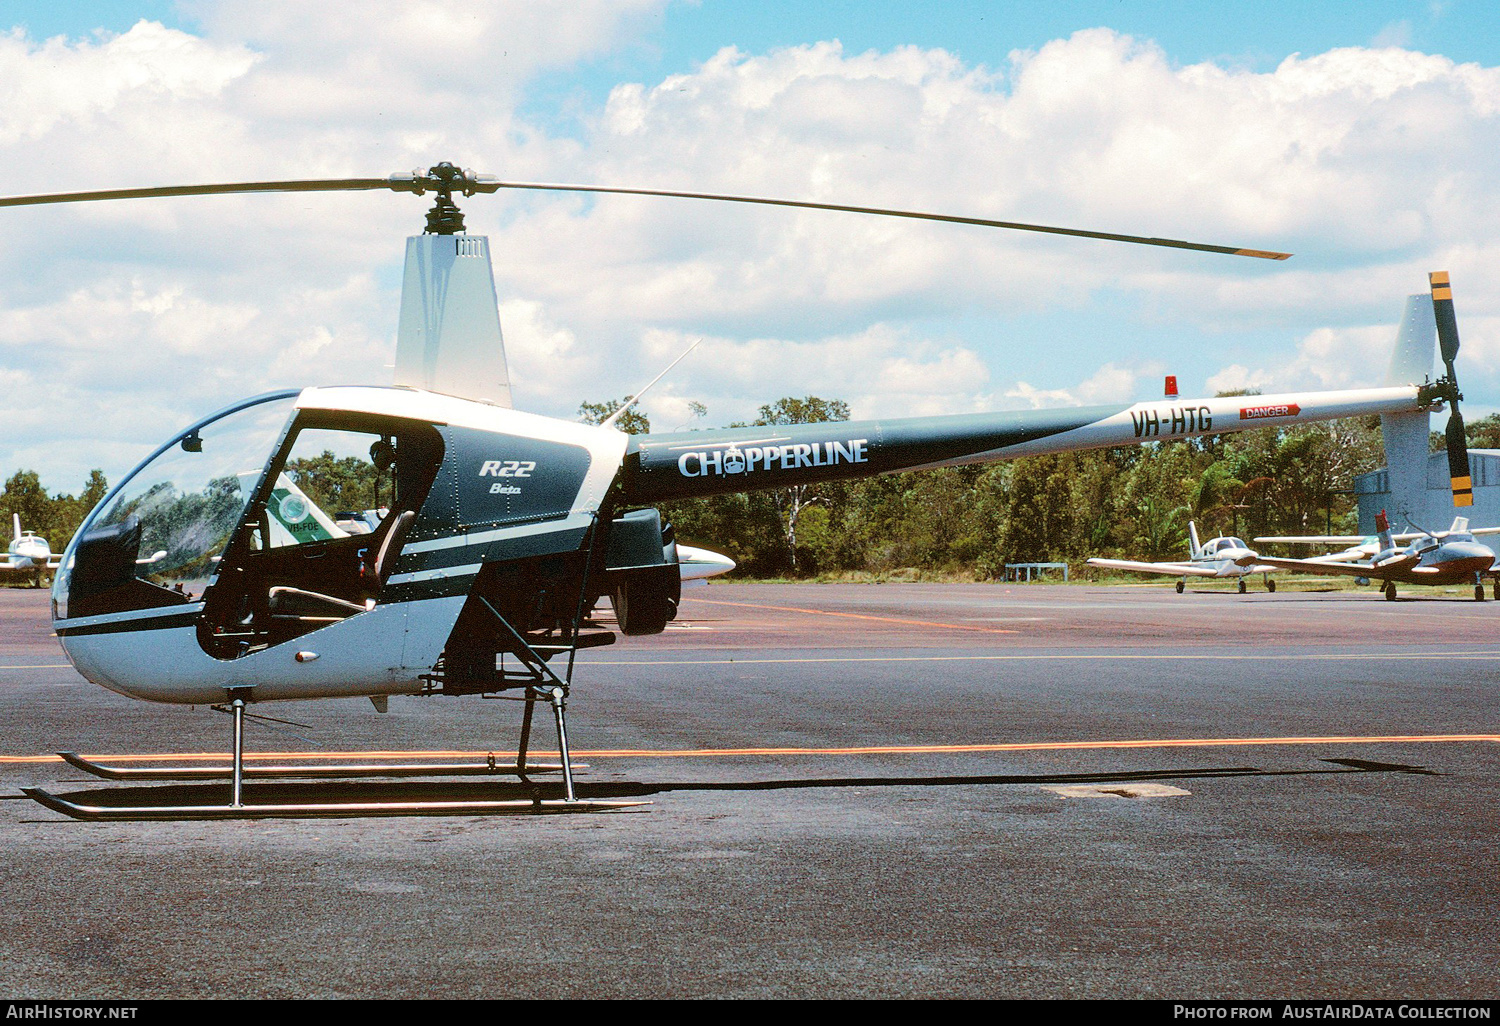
(415, 182)
(304, 185)
(888, 212)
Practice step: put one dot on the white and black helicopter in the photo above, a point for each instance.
(484, 534)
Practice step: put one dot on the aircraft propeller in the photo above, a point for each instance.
(1446, 388)
(445, 179)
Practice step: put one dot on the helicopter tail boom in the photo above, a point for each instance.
(661, 467)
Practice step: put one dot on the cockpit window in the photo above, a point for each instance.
(157, 539)
(334, 484)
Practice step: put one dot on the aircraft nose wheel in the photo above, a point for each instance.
(1180, 587)
(1242, 586)
(1271, 587)
(1390, 591)
(1478, 593)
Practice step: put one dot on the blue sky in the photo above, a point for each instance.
(1369, 155)
(1250, 33)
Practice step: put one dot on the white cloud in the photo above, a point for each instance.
(1111, 383)
(1374, 164)
(1238, 378)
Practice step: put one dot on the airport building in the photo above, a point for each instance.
(1431, 507)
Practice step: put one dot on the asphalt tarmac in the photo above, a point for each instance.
(1103, 792)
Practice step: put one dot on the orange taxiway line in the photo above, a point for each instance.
(858, 616)
(689, 753)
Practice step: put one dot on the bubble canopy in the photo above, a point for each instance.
(156, 538)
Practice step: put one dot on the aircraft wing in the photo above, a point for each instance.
(1315, 539)
(1351, 555)
(1170, 569)
(1389, 568)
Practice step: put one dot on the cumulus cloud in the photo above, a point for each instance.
(1111, 383)
(1373, 164)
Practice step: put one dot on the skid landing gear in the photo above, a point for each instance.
(237, 773)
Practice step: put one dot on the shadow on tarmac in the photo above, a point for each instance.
(166, 795)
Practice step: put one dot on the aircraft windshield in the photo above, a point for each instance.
(172, 517)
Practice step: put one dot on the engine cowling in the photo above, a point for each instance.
(645, 584)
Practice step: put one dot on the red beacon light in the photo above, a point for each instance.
(1171, 386)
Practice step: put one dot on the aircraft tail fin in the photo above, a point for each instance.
(1406, 435)
(1193, 538)
(448, 336)
(1383, 531)
(15, 523)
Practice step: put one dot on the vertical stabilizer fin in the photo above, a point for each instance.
(448, 339)
(1406, 435)
(1193, 538)
(15, 523)
(1383, 532)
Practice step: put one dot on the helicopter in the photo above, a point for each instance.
(213, 574)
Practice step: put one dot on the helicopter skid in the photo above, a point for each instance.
(321, 810)
(330, 772)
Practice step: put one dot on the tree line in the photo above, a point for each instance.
(54, 517)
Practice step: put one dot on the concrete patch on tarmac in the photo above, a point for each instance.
(1115, 790)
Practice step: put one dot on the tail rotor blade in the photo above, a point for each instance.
(1447, 320)
(1454, 435)
(1458, 460)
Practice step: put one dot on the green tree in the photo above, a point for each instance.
(792, 502)
(632, 421)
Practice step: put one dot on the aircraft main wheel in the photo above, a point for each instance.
(1242, 586)
(1271, 587)
(1478, 593)
(1180, 586)
(1497, 589)
(1390, 591)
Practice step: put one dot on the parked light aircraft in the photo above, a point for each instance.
(1217, 557)
(28, 554)
(1420, 557)
(496, 531)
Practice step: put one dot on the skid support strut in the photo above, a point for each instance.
(559, 703)
(237, 776)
